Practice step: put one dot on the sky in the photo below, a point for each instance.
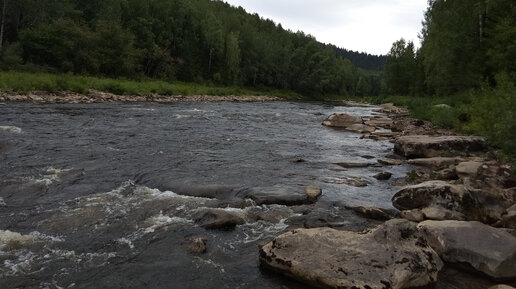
(362, 25)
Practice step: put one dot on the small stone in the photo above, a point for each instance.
(313, 192)
(371, 213)
(197, 245)
(383, 176)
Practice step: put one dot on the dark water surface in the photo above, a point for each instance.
(91, 196)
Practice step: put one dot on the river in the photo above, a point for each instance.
(104, 195)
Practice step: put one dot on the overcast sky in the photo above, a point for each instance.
(361, 25)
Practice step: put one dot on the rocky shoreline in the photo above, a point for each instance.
(103, 97)
(458, 209)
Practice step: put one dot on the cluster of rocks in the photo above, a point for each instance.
(95, 96)
(460, 210)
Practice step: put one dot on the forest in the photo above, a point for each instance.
(198, 41)
(467, 60)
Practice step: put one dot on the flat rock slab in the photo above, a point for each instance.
(288, 196)
(436, 162)
(489, 250)
(418, 146)
(392, 255)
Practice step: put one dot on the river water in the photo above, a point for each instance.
(104, 195)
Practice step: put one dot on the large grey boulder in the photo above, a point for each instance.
(418, 146)
(342, 120)
(392, 255)
(440, 200)
(348, 122)
(489, 250)
(430, 193)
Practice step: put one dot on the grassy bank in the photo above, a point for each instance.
(24, 82)
(489, 112)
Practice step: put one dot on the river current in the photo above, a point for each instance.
(94, 196)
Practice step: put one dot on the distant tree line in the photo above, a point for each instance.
(465, 45)
(187, 40)
(362, 59)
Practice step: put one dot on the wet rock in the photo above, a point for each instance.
(197, 245)
(297, 160)
(486, 249)
(367, 157)
(288, 196)
(313, 193)
(435, 163)
(209, 218)
(392, 255)
(315, 218)
(350, 165)
(417, 146)
(342, 120)
(468, 169)
(383, 176)
(372, 212)
(346, 180)
(390, 162)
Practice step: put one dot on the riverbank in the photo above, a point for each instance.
(62, 88)
(95, 96)
(456, 209)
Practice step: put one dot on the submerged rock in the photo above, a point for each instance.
(350, 165)
(209, 218)
(197, 245)
(392, 255)
(486, 249)
(372, 212)
(288, 196)
(383, 176)
(417, 146)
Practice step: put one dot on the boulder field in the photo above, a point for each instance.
(458, 208)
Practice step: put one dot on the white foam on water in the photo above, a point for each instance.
(2, 202)
(14, 240)
(10, 129)
(51, 175)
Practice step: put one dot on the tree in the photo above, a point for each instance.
(400, 68)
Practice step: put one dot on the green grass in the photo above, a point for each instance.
(24, 82)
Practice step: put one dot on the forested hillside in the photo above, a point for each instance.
(468, 60)
(188, 40)
(362, 59)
